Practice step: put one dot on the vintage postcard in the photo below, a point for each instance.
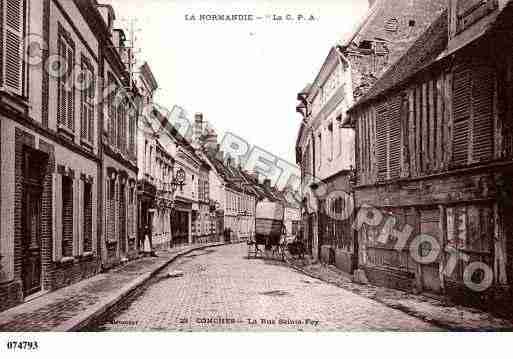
(255, 166)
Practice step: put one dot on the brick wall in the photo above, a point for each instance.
(398, 23)
(11, 294)
(54, 275)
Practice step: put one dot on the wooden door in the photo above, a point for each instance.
(429, 225)
(31, 269)
(122, 220)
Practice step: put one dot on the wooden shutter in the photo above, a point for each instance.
(57, 216)
(381, 141)
(70, 89)
(61, 95)
(388, 139)
(394, 137)
(13, 45)
(462, 91)
(483, 88)
(78, 216)
(83, 115)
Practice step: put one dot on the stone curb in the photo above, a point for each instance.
(91, 315)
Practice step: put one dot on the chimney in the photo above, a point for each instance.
(197, 129)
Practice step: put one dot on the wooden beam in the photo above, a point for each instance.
(425, 128)
(411, 132)
(405, 153)
(499, 93)
(418, 128)
(374, 167)
(432, 127)
(443, 244)
(439, 122)
(449, 116)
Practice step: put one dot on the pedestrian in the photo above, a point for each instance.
(148, 242)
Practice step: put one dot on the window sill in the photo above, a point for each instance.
(66, 132)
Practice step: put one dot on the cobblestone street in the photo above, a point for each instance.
(222, 290)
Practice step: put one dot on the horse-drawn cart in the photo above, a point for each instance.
(268, 228)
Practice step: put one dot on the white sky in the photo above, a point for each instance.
(244, 77)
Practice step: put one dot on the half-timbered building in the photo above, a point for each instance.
(434, 158)
(324, 147)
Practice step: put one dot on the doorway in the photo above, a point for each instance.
(429, 225)
(34, 163)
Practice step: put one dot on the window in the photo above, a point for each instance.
(131, 130)
(121, 118)
(365, 45)
(131, 211)
(473, 93)
(146, 158)
(392, 25)
(111, 102)
(88, 218)
(87, 101)
(13, 27)
(150, 162)
(111, 219)
(388, 138)
(319, 155)
(67, 217)
(330, 130)
(65, 96)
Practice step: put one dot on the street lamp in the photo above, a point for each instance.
(178, 181)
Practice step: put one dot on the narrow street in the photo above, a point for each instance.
(222, 290)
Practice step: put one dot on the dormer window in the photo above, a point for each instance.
(392, 25)
(366, 45)
(470, 11)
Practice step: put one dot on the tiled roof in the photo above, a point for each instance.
(420, 55)
(234, 176)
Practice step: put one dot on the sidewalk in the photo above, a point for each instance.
(74, 307)
(431, 310)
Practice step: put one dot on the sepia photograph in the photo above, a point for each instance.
(175, 168)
